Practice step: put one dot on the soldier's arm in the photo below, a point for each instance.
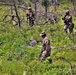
(39, 41)
(64, 17)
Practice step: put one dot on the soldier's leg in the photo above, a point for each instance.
(29, 21)
(32, 22)
(70, 29)
(65, 28)
(42, 56)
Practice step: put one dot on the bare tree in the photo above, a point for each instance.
(55, 4)
(46, 4)
(35, 5)
(15, 8)
(35, 2)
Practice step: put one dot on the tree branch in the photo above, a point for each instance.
(10, 4)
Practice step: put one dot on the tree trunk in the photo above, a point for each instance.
(45, 11)
(35, 8)
(73, 4)
(11, 9)
(10, 4)
(55, 6)
(17, 13)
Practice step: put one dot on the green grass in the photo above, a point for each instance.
(16, 57)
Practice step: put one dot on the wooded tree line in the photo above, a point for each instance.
(24, 4)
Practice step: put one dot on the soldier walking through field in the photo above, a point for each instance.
(30, 16)
(46, 50)
(68, 22)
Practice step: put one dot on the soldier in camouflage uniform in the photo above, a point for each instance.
(68, 22)
(45, 52)
(30, 16)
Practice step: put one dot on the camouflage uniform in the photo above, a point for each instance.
(68, 22)
(30, 17)
(45, 52)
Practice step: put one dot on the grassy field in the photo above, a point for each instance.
(16, 57)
